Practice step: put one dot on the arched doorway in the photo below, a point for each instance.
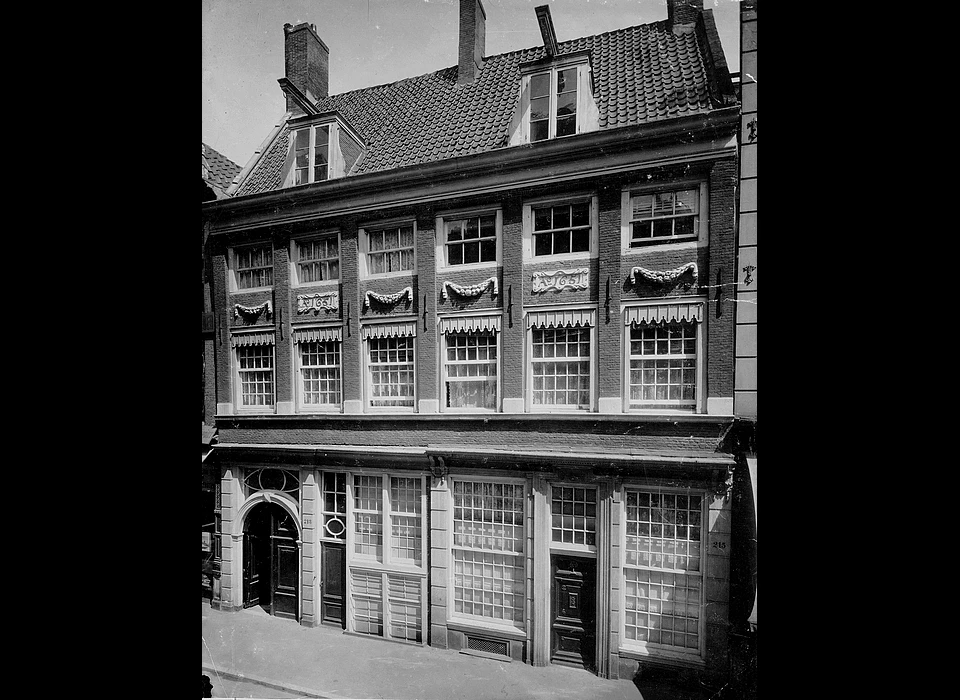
(270, 560)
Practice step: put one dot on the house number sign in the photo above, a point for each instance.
(561, 279)
(326, 300)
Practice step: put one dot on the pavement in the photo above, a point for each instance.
(251, 647)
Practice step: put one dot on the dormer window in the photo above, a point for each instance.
(320, 147)
(553, 104)
(312, 154)
(556, 100)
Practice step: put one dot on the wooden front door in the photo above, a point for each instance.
(332, 584)
(271, 561)
(573, 611)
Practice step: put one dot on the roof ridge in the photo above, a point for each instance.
(486, 58)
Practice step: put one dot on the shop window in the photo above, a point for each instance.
(387, 605)
(663, 577)
(488, 551)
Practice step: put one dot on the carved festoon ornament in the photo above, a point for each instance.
(474, 290)
(663, 276)
(387, 298)
(250, 311)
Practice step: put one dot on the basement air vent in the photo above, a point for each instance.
(488, 646)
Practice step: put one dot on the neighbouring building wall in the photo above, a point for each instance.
(745, 394)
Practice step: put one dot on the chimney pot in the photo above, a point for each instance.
(683, 12)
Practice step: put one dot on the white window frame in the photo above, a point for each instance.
(474, 620)
(444, 218)
(528, 220)
(662, 244)
(238, 385)
(701, 371)
(442, 373)
(655, 649)
(583, 94)
(388, 566)
(344, 517)
(530, 406)
(364, 243)
(589, 550)
(295, 243)
(311, 152)
(368, 379)
(234, 275)
(302, 405)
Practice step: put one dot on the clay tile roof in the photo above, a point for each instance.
(218, 170)
(641, 74)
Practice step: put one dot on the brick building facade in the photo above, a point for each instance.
(474, 382)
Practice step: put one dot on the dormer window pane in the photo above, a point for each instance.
(320, 151)
(554, 103)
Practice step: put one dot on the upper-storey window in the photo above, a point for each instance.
(316, 259)
(664, 214)
(388, 249)
(311, 154)
(253, 266)
(564, 228)
(472, 240)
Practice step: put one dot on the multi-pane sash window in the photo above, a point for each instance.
(255, 369)
(573, 515)
(663, 365)
(564, 228)
(662, 570)
(560, 365)
(471, 240)
(488, 539)
(311, 155)
(390, 249)
(470, 370)
(319, 373)
(368, 517)
(391, 373)
(253, 266)
(317, 259)
(553, 104)
(334, 508)
(405, 516)
(658, 216)
(403, 506)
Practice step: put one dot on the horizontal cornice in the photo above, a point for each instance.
(680, 140)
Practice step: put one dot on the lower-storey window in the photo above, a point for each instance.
(663, 366)
(470, 370)
(662, 572)
(387, 604)
(391, 373)
(488, 554)
(255, 370)
(561, 367)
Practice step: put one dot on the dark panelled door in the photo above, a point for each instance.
(251, 570)
(332, 583)
(284, 575)
(271, 561)
(574, 613)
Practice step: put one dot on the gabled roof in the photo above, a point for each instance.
(218, 170)
(641, 74)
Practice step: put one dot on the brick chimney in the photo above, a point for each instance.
(473, 20)
(682, 14)
(307, 62)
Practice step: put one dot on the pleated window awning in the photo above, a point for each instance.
(242, 340)
(406, 329)
(663, 313)
(317, 335)
(469, 324)
(560, 319)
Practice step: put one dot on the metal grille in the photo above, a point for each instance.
(491, 646)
